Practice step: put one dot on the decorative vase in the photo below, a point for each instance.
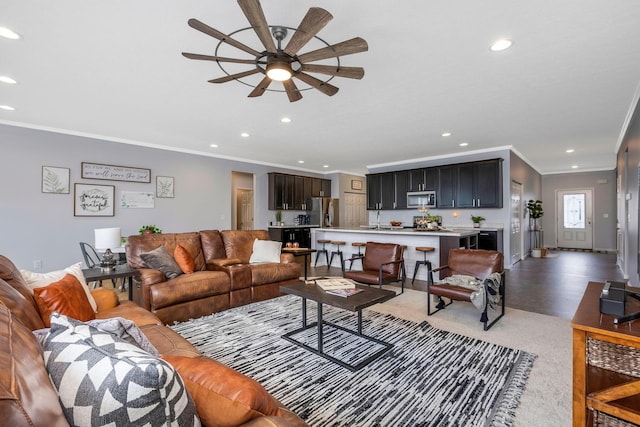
(476, 225)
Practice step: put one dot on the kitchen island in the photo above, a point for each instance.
(442, 240)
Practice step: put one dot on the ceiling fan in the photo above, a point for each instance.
(281, 64)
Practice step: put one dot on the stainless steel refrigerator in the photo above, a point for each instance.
(323, 211)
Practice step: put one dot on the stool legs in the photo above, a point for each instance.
(319, 252)
(339, 253)
(426, 262)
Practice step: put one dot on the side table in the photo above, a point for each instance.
(121, 271)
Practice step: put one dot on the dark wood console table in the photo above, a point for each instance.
(602, 387)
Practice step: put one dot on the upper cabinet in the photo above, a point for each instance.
(470, 185)
(424, 179)
(292, 191)
(387, 191)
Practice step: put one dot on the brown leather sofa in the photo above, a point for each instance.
(223, 277)
(27, 397)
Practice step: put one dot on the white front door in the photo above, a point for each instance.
(516, 222)
(574, 219)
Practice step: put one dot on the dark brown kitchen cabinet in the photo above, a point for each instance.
(424, 179)
(470, 185)
(292, 191)
(401, 187)
(387, 191)
(300, 235)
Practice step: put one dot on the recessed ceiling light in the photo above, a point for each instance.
(574, 167)
(244, 135)
(301, 161)
(7, 107)
(464, 144)
(501, 44)
(285, 120)
(325, 166)
(570, 150)
(213, 145)
(5, 32)
(9, 80)
(446, 134)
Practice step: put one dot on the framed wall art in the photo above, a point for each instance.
(356, 184)
(136, 200)
(93, 200)
(55, 180)
(115, 173)
(164, 186)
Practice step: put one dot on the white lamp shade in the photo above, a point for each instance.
(107, 238)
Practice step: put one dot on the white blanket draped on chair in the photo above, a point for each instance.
(478, 296)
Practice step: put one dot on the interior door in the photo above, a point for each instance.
(355, 210)
(516, 222)
(245, 209)
(575, 219)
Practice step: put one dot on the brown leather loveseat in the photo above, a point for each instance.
(221, 395)
(222, 278)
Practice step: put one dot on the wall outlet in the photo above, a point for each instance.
(37, 263)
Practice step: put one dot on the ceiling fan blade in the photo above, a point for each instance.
(260, 88)
(253, 11)
(332, 70)
(204, 28)
(354, 45)
(292, 90)
(315, 20)
(234, 76)
(217, 58)
(323, 87)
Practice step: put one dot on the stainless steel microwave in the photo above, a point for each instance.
(418, 199)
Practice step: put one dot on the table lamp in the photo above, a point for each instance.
(105, 239)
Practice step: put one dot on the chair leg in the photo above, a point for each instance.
(321, 251)
(484, 318)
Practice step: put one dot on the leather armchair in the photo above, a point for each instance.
(382, 263)
(479, 263)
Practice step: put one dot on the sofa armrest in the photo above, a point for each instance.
(149, 276)
(214, 264)
(106, 299)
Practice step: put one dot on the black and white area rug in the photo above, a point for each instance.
(431, 377)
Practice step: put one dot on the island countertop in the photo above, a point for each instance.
(403, 231)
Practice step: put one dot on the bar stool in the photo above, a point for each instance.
(425, 261)
(358, 245)
(322, 251)
(337, 252)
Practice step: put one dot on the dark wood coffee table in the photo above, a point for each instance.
(354, 303)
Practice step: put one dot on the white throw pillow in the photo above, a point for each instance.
(265, 251)
(39, 280)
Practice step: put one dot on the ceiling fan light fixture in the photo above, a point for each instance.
(279, 70)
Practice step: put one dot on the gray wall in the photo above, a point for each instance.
(523, 173)
(603, 184)
(41, 226)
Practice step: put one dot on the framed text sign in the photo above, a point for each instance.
(115, 173)
(93, 200)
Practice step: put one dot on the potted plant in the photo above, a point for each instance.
(476, 220)
(150, 229)
(535, 213)
(278, 217)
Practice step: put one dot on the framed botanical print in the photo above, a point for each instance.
(93, 200)
(164, 186)
(55, 180)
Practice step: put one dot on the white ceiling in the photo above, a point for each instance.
(114, 69)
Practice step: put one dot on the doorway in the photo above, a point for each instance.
(355, 210)
(575, 219)
(242, 205)
(515, 245)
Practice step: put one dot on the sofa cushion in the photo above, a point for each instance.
(27, 397)
(161, 259)
(23, 309)
(212, 245)
(131, 311)
(189, 287)
(65, 296)
(101, 379)
(145, 243)
(184, 259)
(38, 280)
(265, 251)
(274, 272)
(223, 396)
(239, 243)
